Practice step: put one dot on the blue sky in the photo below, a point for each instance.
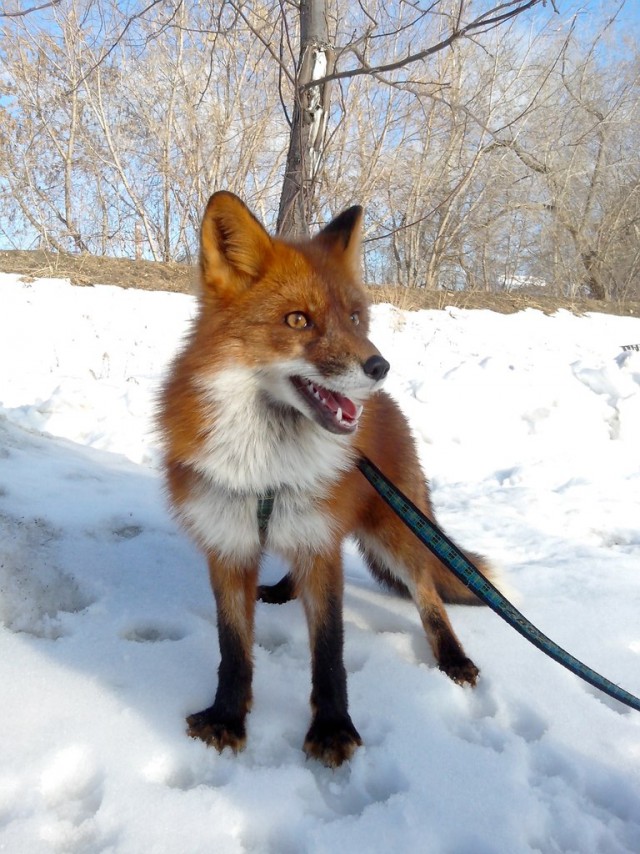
(629, 13)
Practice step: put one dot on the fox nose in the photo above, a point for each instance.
(376, 367)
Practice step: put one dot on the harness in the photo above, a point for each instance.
(265, 509)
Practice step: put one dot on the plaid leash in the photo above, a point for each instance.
(434, 539)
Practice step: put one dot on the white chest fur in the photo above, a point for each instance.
(257, 445)
(227, 523)
(254, 448)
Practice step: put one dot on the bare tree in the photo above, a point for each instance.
(118, 141)
(309, 123)
(442, 25)
(584, 169)
(488, 149)
(19, 13)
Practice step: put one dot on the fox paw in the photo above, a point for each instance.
(332, 742)
(462, 671)
(207, 726)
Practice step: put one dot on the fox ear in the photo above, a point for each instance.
(343, 236)
(234, 247)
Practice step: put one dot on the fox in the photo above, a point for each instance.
(264, 414)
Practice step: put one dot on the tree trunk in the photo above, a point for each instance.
(593, 280)
(309, 124)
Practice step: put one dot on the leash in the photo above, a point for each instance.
(434, 539)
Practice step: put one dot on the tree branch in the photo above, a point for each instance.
(20, 13)
(482, 24)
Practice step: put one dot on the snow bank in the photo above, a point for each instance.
(528, 426)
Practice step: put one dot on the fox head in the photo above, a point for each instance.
(294, 315)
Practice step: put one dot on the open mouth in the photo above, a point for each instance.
(332, 410)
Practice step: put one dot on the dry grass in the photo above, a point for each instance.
(150, 275)
(414, 299)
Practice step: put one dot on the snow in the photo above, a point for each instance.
(529, 428)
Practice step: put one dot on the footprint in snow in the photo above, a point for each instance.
(127, 532)
(36, 592)
(153, 632)
(349, 790)
(72, 788)
(529, 725)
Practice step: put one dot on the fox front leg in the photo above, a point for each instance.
(332, 738)
(223, 723)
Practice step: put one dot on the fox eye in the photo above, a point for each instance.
(355, 318)
(298, 320)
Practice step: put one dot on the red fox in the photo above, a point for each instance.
(268, 407)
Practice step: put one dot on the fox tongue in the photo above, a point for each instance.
(334, 401)
(332, 410)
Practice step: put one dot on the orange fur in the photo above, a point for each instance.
(277, 390)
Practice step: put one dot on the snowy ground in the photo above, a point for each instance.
(529, 427)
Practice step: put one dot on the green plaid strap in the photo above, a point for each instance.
(265, 508)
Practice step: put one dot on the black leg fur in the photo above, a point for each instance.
(332, 737)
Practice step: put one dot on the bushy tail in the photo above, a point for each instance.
(451, 589)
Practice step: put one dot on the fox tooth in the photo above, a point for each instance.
(359, 409)
(339, 414)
